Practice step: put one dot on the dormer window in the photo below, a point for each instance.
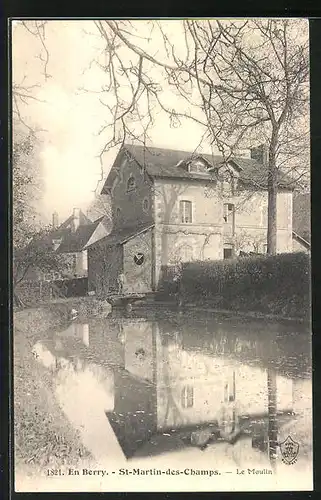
(225, 174)
(131, 183)
(198, 166)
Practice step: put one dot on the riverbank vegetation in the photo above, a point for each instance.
(43, 436)
(265, 284)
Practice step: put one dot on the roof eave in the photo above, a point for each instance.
(124, 239)
(142, 231)
(183, 178)
(233, 160)
(106, 190)
(302, 240)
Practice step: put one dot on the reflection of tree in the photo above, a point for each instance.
(272, 413)
(245, 241)
(173, 414)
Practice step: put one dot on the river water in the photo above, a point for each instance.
(166, 388)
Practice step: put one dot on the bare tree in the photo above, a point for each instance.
(26, 173)
(245, 242)
(25, 92)
(242, 82)
(100, 207)
(263, 66)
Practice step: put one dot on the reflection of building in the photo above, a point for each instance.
(78, 331)
(172, 206)
(164, 389)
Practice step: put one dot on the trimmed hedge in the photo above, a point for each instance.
(271, 284)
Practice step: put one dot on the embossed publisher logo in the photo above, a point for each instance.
(289, 451)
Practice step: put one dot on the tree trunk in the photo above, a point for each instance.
(272, 198)
(272, 222)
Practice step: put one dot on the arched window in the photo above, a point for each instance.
(118, 212)
(145, 204)
(131, 184)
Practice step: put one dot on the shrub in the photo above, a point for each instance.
(275, 284)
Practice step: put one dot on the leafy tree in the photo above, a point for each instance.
(39, 256)
(31, 247)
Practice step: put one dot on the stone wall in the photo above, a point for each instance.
(131, 207)
(138, 278)
(104, 266)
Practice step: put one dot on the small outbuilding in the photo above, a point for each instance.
(122, 262)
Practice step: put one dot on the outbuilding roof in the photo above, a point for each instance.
(122, 235)
(75, 242)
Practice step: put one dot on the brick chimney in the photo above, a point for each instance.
(260, 154)
(76, 219)
(55, 220)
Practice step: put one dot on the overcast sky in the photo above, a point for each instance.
(71, 118)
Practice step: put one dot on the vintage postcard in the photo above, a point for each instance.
(161, 255)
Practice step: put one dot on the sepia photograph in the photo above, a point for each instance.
(161, 275)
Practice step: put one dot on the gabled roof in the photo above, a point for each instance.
(122, 235)
(169, 163)
(64, 231)
(64, 228)
(75, 242)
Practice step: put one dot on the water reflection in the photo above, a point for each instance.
(172, 384)
(203, 396)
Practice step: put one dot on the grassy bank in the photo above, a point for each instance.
(56, 312)
(44, 438)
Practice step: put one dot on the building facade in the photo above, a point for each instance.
(301, 222)
(172, 206)
(73, 245)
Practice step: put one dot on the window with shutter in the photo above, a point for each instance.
(185, 211)
(187, 396)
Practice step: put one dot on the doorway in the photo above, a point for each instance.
(228, 252)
